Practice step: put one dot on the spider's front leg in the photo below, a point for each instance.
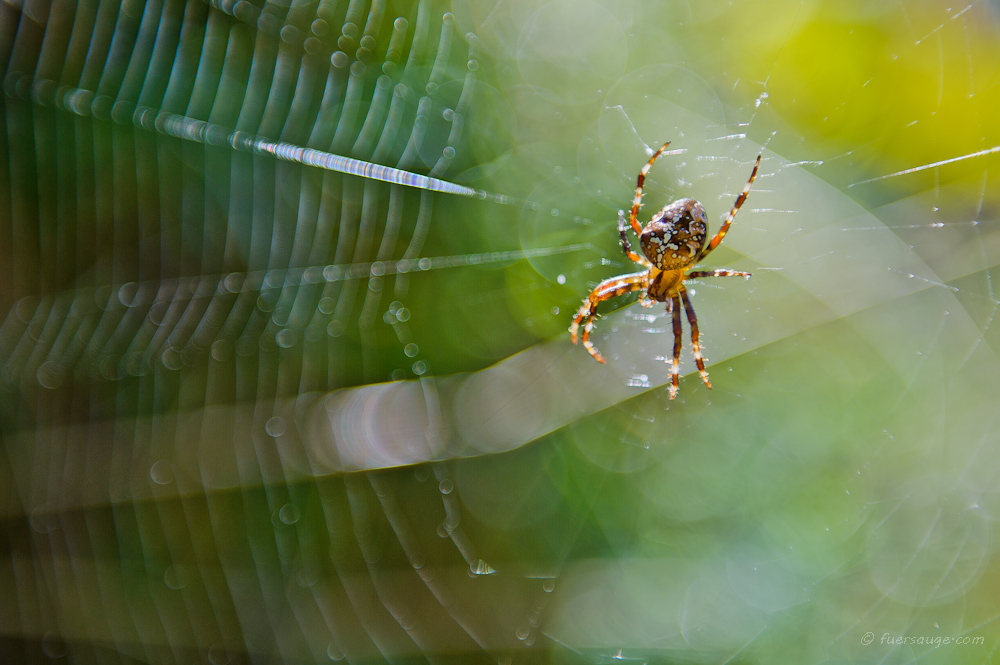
(720, 272)
(609, 288)
(626, 246)
(732, 214)
(637, 200)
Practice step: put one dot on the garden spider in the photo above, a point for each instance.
(673, 242)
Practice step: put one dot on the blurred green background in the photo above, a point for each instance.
(256, 411)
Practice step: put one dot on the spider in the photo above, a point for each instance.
(673, 242)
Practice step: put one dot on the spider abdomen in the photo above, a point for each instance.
(675, 236)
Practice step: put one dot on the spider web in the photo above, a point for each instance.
(285, 365)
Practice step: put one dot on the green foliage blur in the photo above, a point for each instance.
(428, 470)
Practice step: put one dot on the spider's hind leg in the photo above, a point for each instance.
(695, 338)
(674, 306)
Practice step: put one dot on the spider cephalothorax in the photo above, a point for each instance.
(672, 242)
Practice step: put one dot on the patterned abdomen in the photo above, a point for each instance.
(675, 236)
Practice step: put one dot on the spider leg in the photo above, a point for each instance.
(626, 246)
(721, 272)
(696, 346)
(675, 366)
(609, 288)
(637, 201)
(732, 213)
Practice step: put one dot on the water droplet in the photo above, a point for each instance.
(480, 567)
(266, 302)
(561, 279)
(127, 294)
(160, 472)
(274, 279)
(171, 359)
(333, 652)
(275, 426)
(217, 655)
(48, 375)
(403, 314)
(306, 577)
(285, 338)
(411, 350)
(419, 367)
(175, 577)
(289, 34)
(288, 514)
(42, 520)
(314, 332)
(445, 486)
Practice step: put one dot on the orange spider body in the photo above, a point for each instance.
(672, 243)
(664, 284)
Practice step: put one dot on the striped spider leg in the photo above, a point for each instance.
(609, 288)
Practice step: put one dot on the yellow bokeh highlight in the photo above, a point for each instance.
(908, 86)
